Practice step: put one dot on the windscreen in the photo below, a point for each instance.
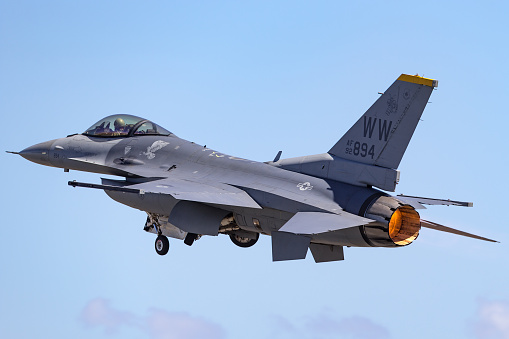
(122, 125)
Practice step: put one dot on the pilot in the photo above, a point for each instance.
(120, 127)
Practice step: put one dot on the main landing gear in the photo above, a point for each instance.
(244, 241)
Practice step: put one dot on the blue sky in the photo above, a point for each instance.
(249, 79)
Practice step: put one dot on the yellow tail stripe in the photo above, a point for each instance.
(418, 80)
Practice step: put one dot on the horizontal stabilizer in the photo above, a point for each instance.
(417, 202)
(319, 222)
(443, 228)
(288, 246)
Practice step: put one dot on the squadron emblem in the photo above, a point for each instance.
(305, 186)
(156, 146)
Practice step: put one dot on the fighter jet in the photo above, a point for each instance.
(320, 202)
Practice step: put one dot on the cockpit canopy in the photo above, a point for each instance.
(123, 125)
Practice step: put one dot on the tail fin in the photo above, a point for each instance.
(381, 136)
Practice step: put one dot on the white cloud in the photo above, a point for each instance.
(159, 324)
(99, 313)
(325, 326)
(280, 327)
(355, 327)
(492, 320)
(164, 325)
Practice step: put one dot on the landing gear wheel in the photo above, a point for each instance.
(162, 245)
(244, 241)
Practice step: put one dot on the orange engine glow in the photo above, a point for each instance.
(404, 225)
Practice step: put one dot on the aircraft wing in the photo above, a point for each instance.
(418, 202)
(212, 193)
(182, 189)
(319, 222)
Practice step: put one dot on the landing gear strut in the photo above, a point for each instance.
(162, 245)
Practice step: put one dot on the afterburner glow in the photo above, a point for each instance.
(404, 225)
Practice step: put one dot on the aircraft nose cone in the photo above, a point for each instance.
(38, 153)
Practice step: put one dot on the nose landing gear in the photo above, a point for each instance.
(162, 244)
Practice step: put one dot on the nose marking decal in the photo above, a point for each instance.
(305, 186)
(156, 146)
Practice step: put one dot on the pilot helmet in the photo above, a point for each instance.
(119, 123)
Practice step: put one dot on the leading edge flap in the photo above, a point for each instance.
(182, 189)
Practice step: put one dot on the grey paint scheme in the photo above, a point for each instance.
(388, 124)
(381, 134)
(329, 166)
(322, 202)
(289, 246)
(324, 253)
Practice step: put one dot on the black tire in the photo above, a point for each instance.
(244, 241)
(162, 245)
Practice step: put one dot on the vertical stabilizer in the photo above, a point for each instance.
(381, 136)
